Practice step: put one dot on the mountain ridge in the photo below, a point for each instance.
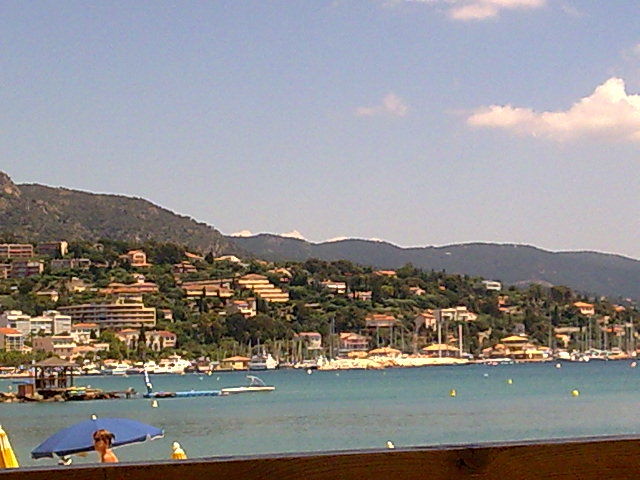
(33, 212)
(593, 272)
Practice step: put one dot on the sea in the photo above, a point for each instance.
(346, 410)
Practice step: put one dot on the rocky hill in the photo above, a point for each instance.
(590, 272)
(39, 213)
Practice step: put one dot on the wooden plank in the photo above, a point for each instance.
(615, 458)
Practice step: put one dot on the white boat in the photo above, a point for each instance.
(172, 364)
(255, 385)
(116, 369)
(262, 362)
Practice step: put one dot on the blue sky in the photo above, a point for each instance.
(419, 122)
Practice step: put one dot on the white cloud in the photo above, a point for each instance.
(483, 9)
(572, 11)
(392, 105)
(466, 10)
(608, 112)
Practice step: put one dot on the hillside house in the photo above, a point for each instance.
(587, 309)
(352, 342)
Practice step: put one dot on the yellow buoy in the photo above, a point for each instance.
(390, 444)
(154, 404)
(452, 392)
(509, 381)
(558, 365)
(575, 393)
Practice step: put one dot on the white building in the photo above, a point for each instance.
(492, 285)
(50, 322)
(455, 314)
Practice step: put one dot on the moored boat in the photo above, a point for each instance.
(255, 385)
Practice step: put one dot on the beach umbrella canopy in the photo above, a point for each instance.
(7, 457)
(79, 437)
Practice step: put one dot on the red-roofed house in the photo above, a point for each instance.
(11, 340)
(158, 340)
(137, 258)
(380, 320)
(585, 308)
(352, 342)
(129, 336)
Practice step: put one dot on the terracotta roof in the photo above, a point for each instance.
(253, 276)
(237, 358)
(163, 333)
(54, 362)
(515, 338)
(9, 331)
(583, 305)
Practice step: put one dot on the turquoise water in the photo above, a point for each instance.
(354, 409)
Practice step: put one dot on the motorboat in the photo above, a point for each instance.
(173, 364)
(255, 385)
(115, 369)
(262, 362)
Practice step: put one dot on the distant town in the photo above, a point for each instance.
(113, 305)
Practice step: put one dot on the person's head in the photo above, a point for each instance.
(102, 440)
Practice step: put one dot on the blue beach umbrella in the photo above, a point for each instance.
(78, 438)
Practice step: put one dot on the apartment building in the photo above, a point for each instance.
(50, 322)
(61, 345)
(26, 268)
(337, 288)
(52, 249)
(261, 286)
(125, 312)
(11, 340)
(209, 288)
(16, 250)
(58, 264)
(137, 288)
(183, 268)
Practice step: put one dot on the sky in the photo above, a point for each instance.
(420, 122)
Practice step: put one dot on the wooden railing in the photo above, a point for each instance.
(602, 458)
